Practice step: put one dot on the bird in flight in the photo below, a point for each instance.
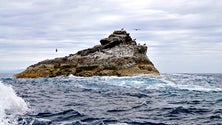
(137, 29)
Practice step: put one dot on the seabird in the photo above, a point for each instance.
(137, 29)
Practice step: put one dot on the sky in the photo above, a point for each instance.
(183, 36)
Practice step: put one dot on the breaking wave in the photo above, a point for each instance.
(10, 105)
(189, 82)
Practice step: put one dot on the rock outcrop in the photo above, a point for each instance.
(117, 55)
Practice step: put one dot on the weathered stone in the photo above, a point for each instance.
(105, 41)
(117, 55)
(120, 32)
(113, 43)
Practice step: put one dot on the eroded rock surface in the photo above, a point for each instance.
(117, 55)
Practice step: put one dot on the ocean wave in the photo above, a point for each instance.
(142, 99)
(10, 105)
(190, 82)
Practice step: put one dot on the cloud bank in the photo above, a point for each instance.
(182, 36)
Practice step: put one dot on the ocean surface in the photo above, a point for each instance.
(168, 99)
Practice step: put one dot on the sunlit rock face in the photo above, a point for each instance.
(117, 55)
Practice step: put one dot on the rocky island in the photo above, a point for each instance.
(117, 55)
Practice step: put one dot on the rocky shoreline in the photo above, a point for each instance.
(117, 55)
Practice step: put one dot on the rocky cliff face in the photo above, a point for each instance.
(117, 55)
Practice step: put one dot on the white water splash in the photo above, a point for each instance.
(189, 82)
(10, 105)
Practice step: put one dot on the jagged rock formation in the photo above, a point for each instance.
(117, 55)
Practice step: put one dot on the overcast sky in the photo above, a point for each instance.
(183, 36)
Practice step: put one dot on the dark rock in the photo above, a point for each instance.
(120, 32)
(118, 37)
(90, 50)
(112, 44)
(104, 41)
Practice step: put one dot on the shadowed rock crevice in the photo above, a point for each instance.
(117, 55)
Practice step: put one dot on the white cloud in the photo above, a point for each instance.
(179, 34)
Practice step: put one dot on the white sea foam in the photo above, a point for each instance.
(183, 82)
(198, 88)
(191, 83)
(179, 81)
(10, 105)
(119, 124)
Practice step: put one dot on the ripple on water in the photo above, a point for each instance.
(167, 99)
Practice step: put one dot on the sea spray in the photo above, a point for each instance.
(10, 105)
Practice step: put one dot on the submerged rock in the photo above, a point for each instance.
(117, 55)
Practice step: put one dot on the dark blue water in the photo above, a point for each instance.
(168, 99)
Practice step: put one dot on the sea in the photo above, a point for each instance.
(166, 99)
